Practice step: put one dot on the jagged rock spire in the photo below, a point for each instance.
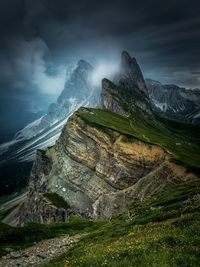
(130, 74)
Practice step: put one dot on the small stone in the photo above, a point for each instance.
(15, 255)
(41, 256)
(8, 249)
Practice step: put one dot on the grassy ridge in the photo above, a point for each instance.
(161, 232)
(183, 144)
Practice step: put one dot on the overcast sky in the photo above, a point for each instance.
(41, 40)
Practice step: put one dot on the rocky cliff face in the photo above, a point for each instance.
(98, 171)
(174, 102)
(128, 92)
(130, 74)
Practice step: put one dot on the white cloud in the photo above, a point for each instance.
(26, 66)
(46, 83)
(104, 69)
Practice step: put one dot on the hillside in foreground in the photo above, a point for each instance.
(164, 231)
(161, 232)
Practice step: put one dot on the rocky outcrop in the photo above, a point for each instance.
(124, 101)
(130, 74)
(98, 171)
(128, 92)
(42, 252)
(111, 99)
(42, 210)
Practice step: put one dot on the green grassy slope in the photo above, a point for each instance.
(15, 238)
(182, 143)
(161, 232)
(164, 231)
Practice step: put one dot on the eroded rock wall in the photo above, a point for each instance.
(99, 172)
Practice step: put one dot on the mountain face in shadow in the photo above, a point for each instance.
(129, 94)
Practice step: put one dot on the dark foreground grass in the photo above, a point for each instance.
(164, 231)
(182, 143)
(57, 200)
(15, 238)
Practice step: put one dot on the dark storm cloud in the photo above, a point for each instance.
(40, 38)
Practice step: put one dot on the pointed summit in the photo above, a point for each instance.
(125, 58)
(128, 92)
(84, 64)
(130, 74)
(77, 86)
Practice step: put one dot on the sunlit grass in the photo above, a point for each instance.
(182, 145)
(161, 232)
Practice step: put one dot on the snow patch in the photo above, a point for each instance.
(29, 131)
(197, 115)
(5, 146)
(161, 106)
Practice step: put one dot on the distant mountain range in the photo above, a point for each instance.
(167, 101)
(174, 102)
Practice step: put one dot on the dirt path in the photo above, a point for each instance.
(40, 253)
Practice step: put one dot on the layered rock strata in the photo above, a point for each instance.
(99, 172)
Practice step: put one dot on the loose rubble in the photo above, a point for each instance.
(43, 251)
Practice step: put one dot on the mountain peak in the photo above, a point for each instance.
(84, 64)
(127, 61)
(130, 74)
(125, 57)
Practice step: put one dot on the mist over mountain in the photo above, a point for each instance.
(110, 151)
(39, 40)
(82, 88)
(99, 133)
